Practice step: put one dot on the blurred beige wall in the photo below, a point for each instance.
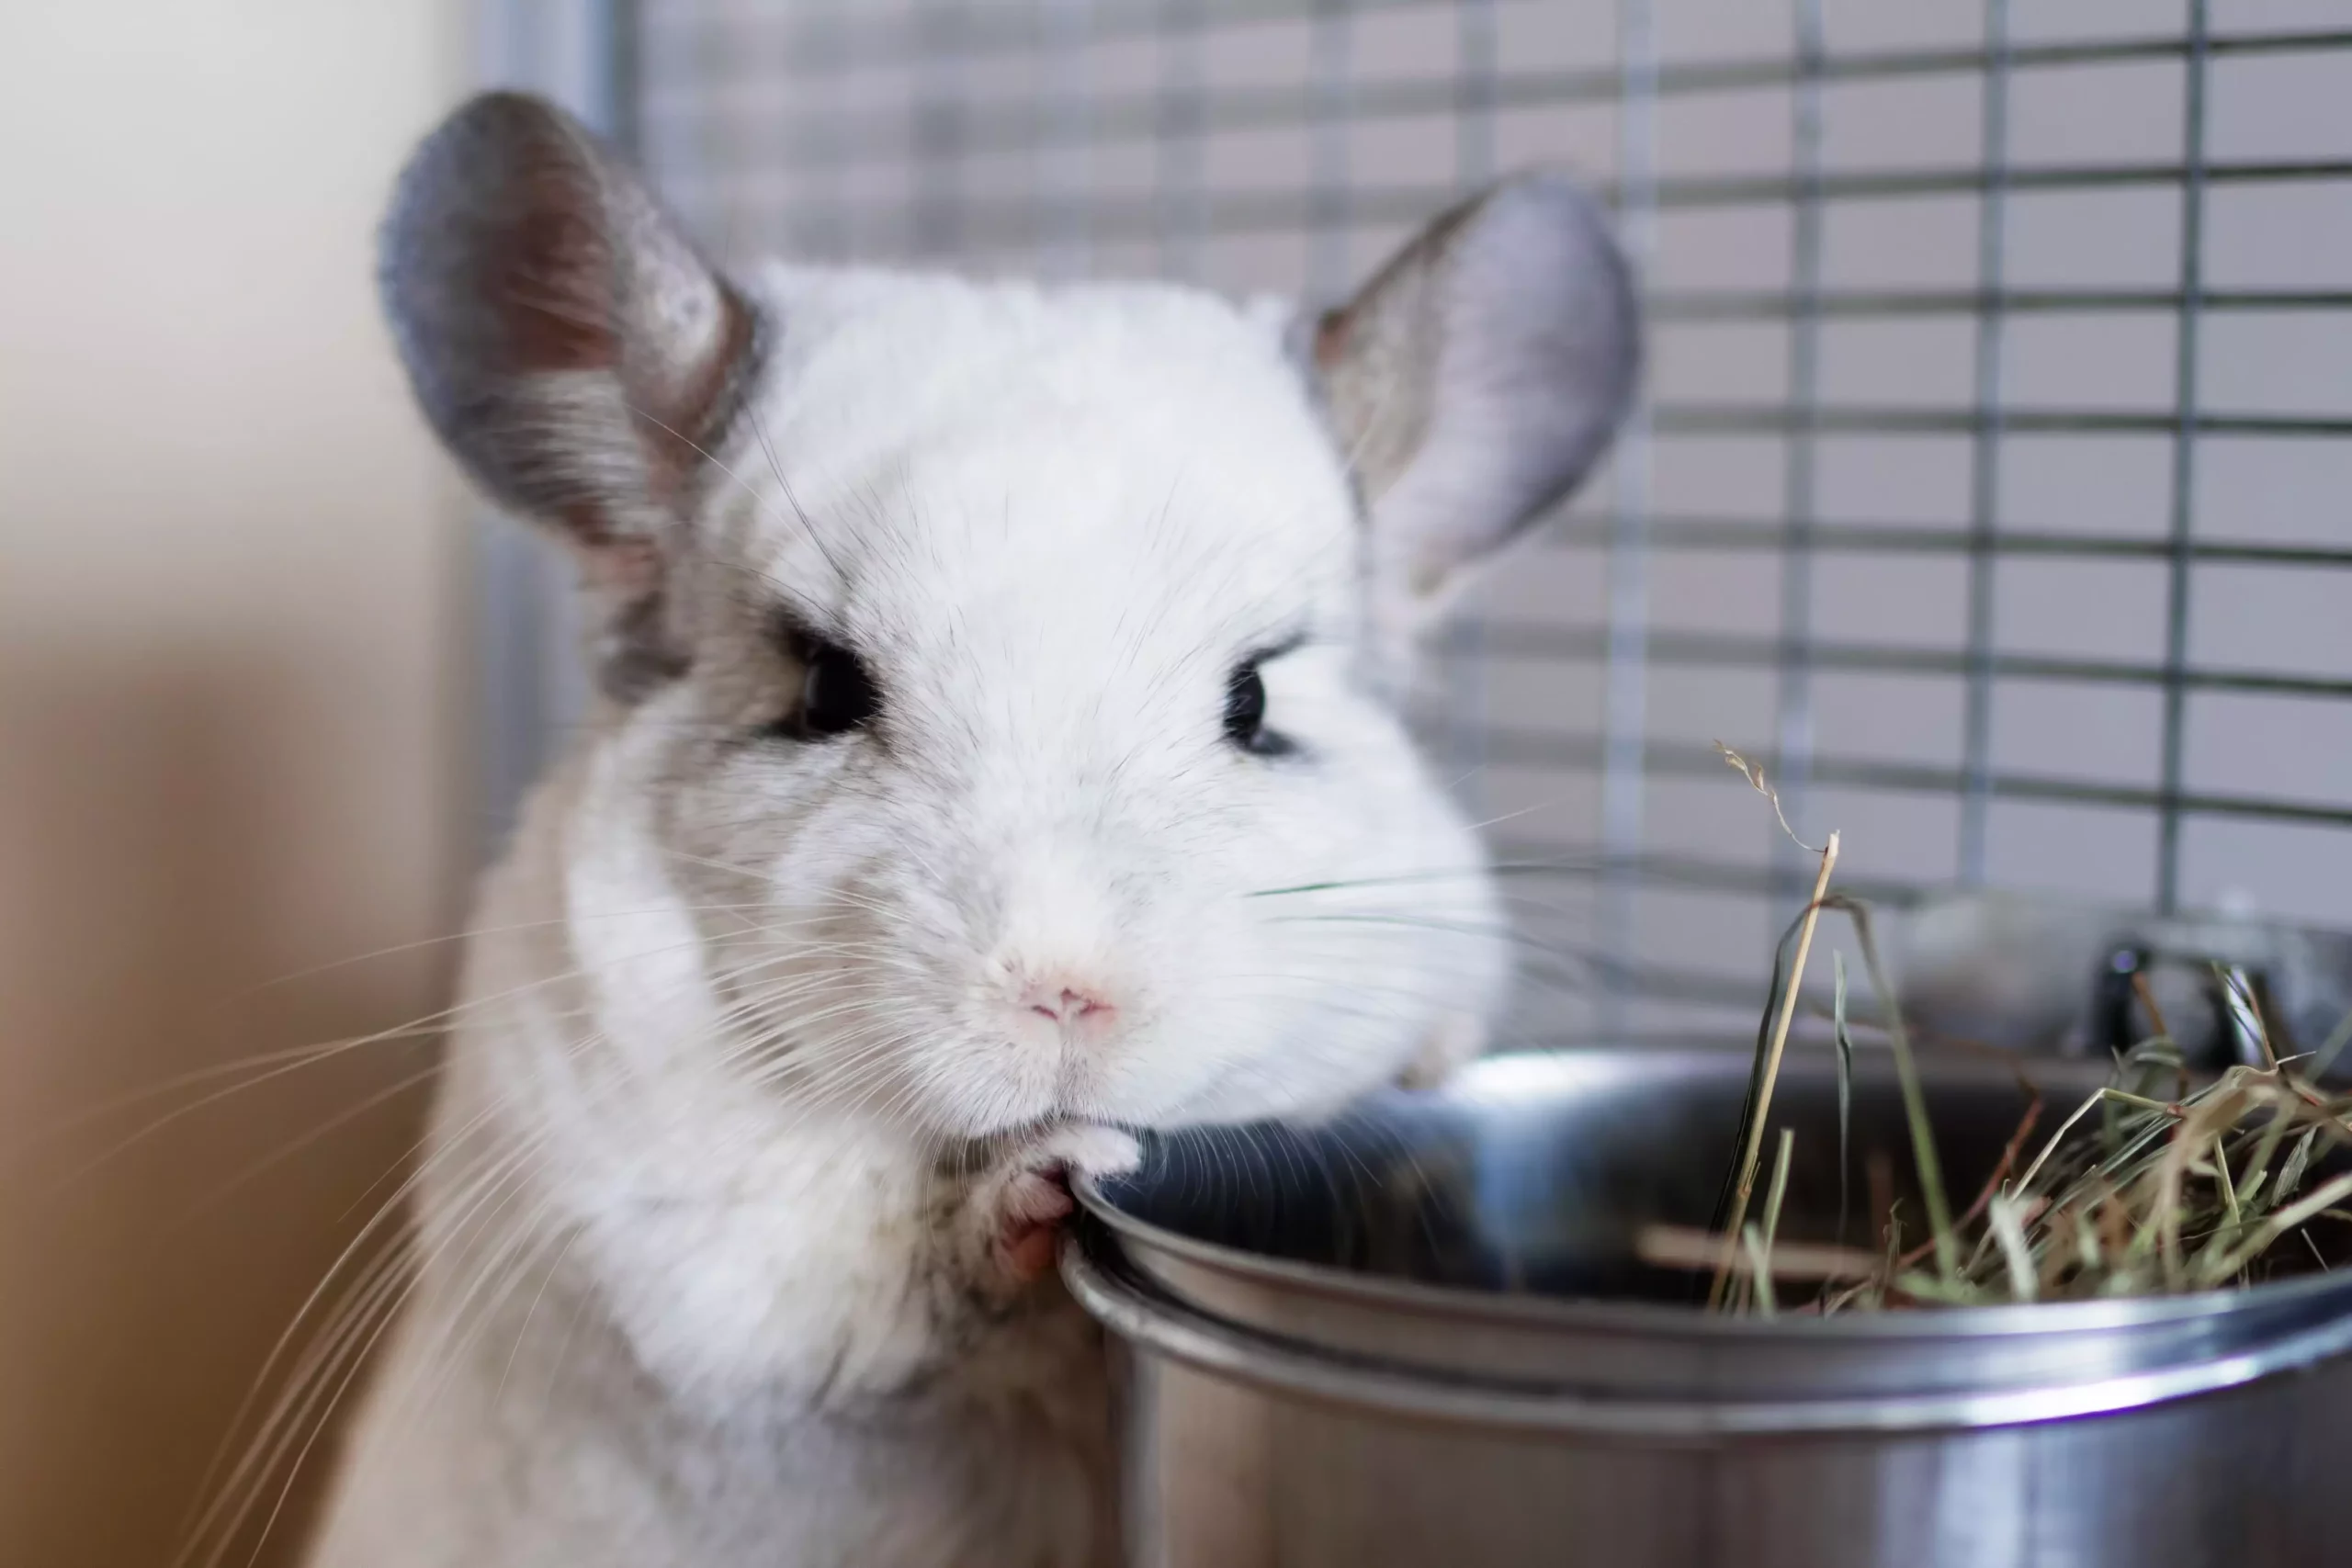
(231, 619)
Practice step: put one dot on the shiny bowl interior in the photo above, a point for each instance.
(1535, 1173)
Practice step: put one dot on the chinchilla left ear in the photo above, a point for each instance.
(1477, 379)
(570, 345)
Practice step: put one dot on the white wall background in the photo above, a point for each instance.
(231, 634)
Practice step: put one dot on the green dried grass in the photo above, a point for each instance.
(2164, 1193)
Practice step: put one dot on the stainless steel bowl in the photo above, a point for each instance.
(1419, 1336)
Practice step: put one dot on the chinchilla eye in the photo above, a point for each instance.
(837, 695)
(1245, 713)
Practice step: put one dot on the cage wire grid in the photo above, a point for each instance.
(1988, 485)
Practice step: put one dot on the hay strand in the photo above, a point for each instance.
(1776, 1048)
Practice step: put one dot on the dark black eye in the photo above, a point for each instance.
(1245, 713)
(836, 694)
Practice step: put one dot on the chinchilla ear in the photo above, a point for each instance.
(1476, 379)
(569, 344)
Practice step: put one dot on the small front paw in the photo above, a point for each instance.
(1019, 1207)
(1098, 1151)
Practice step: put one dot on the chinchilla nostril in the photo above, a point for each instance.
(1065, 1004)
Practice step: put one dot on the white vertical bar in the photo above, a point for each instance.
(1985, 471)
(1795, 719)
(1182, 221)
(1065, 167)
(1624, 716)
(1332, 68)
(2184, 461)
(533, 687)
(1470, 711)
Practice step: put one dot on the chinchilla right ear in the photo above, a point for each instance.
(1476, 379)
(570, 345)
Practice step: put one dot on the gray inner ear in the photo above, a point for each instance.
(1480, 375)
(566, 340)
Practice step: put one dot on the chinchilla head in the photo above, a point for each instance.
(1000, 680)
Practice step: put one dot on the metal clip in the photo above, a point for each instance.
(2240, 1024)
(2243, 1002)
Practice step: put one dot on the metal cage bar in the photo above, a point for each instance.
(1985, 455)
(2170, 799)
(1181, 213)
(1626, 654)
(531, 691)
(1130, 117)
(1794, 717)
(1474, 165)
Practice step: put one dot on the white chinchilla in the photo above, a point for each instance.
(997, 756)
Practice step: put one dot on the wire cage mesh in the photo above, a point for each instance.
(1990, 482)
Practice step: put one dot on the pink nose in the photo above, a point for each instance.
(1065, 1005)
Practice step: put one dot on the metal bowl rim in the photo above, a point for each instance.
(1158, 1321)
(1660, 1321)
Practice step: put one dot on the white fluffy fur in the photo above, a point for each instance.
(745, 1084)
